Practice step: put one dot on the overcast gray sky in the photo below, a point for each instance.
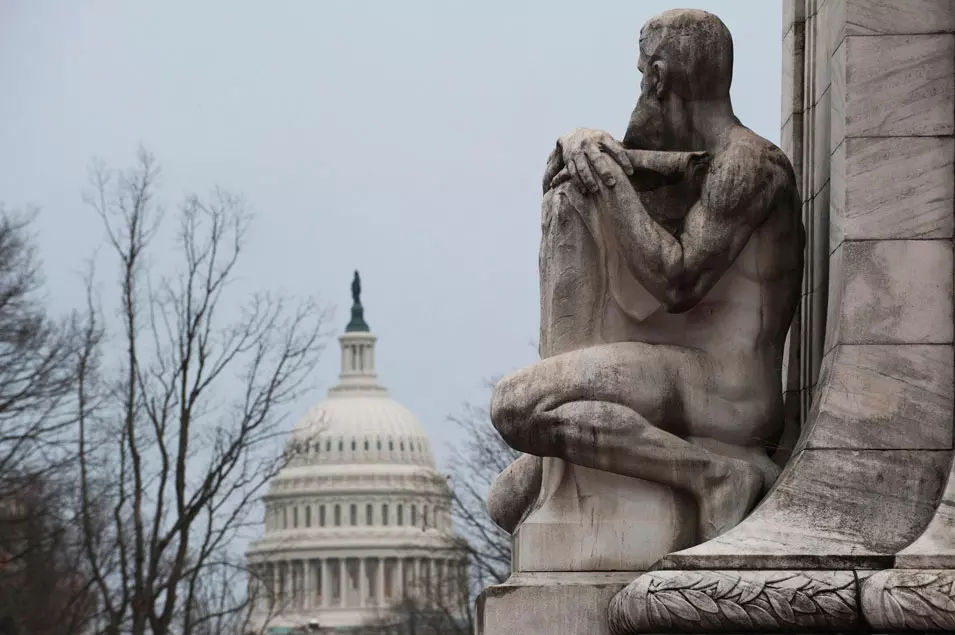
(403, 138)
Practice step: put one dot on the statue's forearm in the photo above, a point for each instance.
(651, 252)
(654, 168)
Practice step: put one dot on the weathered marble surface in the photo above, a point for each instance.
(935, 547)
(890, 292)
(886, 17)
(884, 397)
(909, 94)
(821, 139)
(831, 509)
(792, 80)
(892, 187)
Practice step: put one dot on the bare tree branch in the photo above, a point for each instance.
(189, 413)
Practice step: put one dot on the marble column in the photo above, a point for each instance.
(274, 595)
(362, 582)
(380, 579)
(342, 574)
(415, 577)
(422, 579)
(289, 584)
(326, 589)
(399, 588)
(307, 584)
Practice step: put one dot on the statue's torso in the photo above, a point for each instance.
(588, 297)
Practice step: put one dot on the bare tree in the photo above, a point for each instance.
(478, 458)
(180, 432)
(36, 377)
(42, 589)
(38, 584)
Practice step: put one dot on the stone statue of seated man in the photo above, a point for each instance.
(670, 269)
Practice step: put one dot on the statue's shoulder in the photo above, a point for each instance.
(755, 162)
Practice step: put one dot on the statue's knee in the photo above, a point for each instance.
(508, 409)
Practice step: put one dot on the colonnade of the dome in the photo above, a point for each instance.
(297, 515)
(290, 584)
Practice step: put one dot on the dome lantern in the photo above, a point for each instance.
(357, 350)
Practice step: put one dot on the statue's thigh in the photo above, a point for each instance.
(640, 376)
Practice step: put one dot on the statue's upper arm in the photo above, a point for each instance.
(738, 194)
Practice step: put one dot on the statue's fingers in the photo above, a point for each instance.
(571, 168)
(603, 165)
(554, 165)
(619, 154)
(561, 177)
(585, 172)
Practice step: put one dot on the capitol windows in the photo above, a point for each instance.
(295, 518)
(366, 445)
(414, 515)
(338, 515)
(369, 514)
(308, 515)
(321, 516)
(341, 445)
(353, 515)
(401, 518)
(353, 445)
(379, 445)
(391, 445)
(402, 446)
(284, 518)
(384, 514)
(424, 513)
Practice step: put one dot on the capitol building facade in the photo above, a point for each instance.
(358, 533)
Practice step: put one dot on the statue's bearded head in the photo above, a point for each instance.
(686, 56)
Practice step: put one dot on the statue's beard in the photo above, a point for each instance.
(646, 130)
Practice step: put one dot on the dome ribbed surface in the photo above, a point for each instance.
(364, 428)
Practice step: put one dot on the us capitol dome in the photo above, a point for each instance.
(358, 524)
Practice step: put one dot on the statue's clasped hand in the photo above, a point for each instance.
(584, 156)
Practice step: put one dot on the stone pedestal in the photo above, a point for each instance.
(565, 603)
(588, 520)
(589, 534)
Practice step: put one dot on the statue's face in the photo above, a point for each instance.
(658, 120)
(648, 126)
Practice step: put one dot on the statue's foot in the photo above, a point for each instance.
(726, 500)
(514, 491)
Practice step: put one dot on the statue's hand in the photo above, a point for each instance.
(555, 164)
(590, 154)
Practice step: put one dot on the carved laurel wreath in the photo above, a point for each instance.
(913, 600)
(751, 600)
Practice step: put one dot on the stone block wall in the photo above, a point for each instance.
(868, 120)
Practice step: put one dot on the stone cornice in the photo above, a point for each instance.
(325, 485)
